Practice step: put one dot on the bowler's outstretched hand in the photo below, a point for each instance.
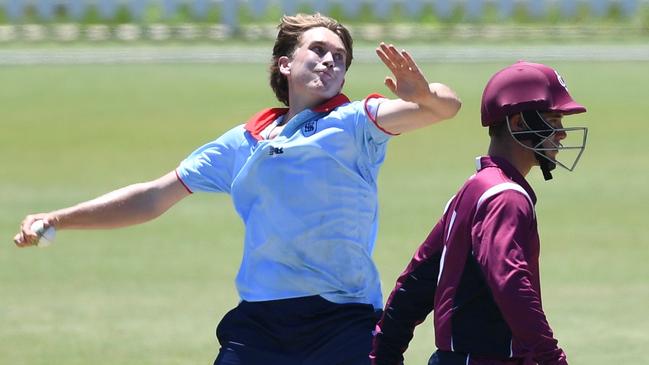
(408, 83)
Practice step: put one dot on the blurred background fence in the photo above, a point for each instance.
(68, 20)
(229, 10)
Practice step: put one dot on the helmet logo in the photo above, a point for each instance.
(561, 81)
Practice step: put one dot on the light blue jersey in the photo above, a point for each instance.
(308, 199)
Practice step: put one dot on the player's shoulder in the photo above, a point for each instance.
(346, 110)
(235, 135)
(229, 140)
(489, 184)
(507, 198)
(352, 108)
(343, 117)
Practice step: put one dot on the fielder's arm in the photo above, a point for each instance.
(509, 264)
(133, 204)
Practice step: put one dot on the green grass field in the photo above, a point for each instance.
(153, 294)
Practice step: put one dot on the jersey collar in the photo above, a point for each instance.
(509, 170)
(258, 122)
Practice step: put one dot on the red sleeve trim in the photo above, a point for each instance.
(373, 117)
(182, 182)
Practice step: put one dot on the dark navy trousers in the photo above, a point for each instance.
(456, 358)
(298, 331)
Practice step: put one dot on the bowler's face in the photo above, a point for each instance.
(317, 66)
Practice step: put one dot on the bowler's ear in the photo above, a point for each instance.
(284, 64)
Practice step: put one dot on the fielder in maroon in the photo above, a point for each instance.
(478, 268)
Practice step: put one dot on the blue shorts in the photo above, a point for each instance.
(304, 331)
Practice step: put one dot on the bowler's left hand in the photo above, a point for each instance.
(409, 84)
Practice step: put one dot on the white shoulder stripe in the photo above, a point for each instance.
(441, 264)
(450, 225)
(496, 189)
(448, 204)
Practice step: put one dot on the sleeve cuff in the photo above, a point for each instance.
(182, 182)
(372, 117)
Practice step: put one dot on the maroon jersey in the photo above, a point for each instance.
(478, 269)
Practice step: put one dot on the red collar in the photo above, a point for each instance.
(258, 122)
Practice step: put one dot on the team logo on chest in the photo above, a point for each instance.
(309, 128)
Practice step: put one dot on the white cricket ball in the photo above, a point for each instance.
(46, 235)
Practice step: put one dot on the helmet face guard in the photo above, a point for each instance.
(541, 135)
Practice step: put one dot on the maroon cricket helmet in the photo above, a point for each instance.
(525, 86)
